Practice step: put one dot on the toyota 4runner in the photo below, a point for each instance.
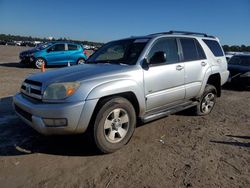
(137, 78)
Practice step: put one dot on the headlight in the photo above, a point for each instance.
(247, 74)
(59, 91)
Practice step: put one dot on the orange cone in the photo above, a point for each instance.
(43, 68)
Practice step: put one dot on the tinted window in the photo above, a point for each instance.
(72, 47)
(201, 53)
(189, 49)
(57, 47)
(240, 60)
(167, 45)
(215, 47)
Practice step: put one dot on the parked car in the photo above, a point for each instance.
(239, 68)
(10, 43)
(2, 42)
(58, 53)
(138, 78)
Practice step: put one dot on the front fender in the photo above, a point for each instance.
(117, 87)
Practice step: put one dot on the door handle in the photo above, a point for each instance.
(179, 67)
(203, 63)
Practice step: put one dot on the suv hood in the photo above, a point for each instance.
(81, 73)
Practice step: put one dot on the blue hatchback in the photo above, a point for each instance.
(57, 53)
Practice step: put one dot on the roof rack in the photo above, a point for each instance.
(183, 33)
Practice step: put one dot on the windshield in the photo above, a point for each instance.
(240, 60)
(44, 45)
(122, 51)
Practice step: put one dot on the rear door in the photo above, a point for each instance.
(73, 53)
(56, 54)
(196, 65)
(164, 83)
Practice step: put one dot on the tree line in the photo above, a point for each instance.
(236, 48)
(4, 37)
(8, 38)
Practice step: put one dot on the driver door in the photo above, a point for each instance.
(56, 55)
(164, 82)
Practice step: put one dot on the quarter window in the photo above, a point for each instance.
(215, 47)
(167, 45)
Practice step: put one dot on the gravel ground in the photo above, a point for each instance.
(177, 151)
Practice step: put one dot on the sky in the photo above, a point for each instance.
(103, 21)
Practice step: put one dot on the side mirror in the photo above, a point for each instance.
(145, 63)
(49, 50)
(158, 57)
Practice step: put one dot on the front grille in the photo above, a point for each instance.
(23, 113)
(32, 89)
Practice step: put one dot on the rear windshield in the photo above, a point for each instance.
(215, 47)
(240, 60)
(122, 51)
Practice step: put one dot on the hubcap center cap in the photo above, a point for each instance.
(116, 123)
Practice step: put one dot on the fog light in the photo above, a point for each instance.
(58, 122)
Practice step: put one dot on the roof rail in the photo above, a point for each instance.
(183, 33)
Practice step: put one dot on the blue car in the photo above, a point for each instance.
(57, 53)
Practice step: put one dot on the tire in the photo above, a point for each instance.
(207, 101)
(38, 63)
(80, 61)
(114, 125)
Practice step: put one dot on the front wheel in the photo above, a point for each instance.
(114, 125)
(207, 101)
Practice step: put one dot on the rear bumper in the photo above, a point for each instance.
(34, 114)
(224, 76)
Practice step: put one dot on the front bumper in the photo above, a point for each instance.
(33, 114)
(26, 59)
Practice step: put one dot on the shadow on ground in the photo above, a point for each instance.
(235, 87)
(13, 64)
(23, 65)
(234, 143)
(17, 138)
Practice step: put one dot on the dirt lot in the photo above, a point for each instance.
(178, 151)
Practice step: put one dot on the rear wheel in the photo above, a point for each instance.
(207, 101)
(80, 61)
(114, 125)
(39, 62)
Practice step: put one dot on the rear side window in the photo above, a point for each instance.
(191, 49)
(201, 53)
(215, 47)
(72, 47)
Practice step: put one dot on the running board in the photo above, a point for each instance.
(165, 112)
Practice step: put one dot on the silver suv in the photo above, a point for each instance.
(138, 78)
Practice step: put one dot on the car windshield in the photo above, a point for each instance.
(44, 45)
(240, 60)
(119, 52)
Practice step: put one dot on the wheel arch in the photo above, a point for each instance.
(215, 80)
(130, 96)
